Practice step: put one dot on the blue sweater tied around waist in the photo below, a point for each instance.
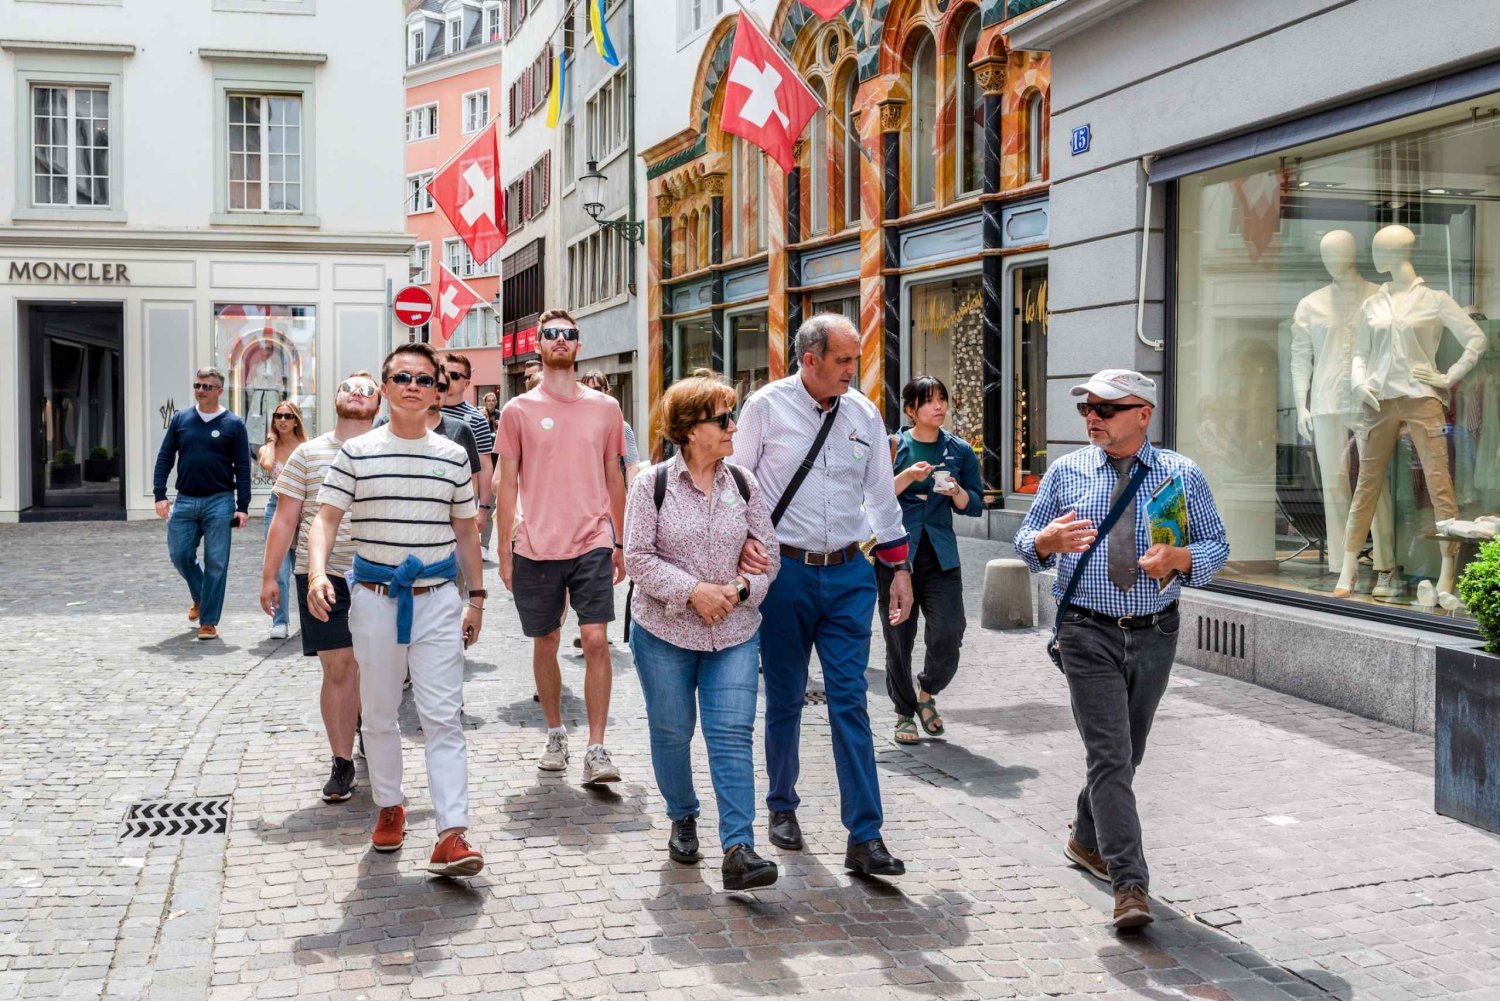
(398, 582)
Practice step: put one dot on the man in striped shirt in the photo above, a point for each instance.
(1119, 629)
(410, 502)
(301, 479)
(456, 372)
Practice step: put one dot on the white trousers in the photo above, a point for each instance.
(1331, 433)
(435, 658)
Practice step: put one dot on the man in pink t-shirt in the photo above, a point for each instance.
(560, 446)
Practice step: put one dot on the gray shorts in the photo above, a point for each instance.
(544, 588)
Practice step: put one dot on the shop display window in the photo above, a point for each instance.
(1337, 372)
(947, 341)
(267, 354)
(751, 353)
(1029, 394)
(695, 342)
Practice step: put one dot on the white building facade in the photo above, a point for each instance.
(214, 183)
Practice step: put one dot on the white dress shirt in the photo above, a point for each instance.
(849, 492)
(1393, 337)
(1323, 329)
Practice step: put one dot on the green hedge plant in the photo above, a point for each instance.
(98, 452)
(64, 458)
(1479, 589)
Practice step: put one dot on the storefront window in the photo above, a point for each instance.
(695, 340)
(947, 342)
(1029, 395)
(267, 354)
(1338, 377)
(845, 305)
(749, 343)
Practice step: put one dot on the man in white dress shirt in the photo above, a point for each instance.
(825, 592)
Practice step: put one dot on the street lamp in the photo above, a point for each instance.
(591, 184)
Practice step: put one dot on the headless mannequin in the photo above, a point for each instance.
(1322, 350)
(1394, 378)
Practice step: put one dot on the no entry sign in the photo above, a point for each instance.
(414, 305)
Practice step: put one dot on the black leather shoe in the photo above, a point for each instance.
(683, 844)
(745, 870)
(785, 831)
(872, 859)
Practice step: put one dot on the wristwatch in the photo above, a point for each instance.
(898, 567)
(743, 589)
(478, 592)
(486, 507)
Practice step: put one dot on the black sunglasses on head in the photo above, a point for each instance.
(553, 333)
(1107, 410)
(207, 387)
(406, 379)
(723, 420)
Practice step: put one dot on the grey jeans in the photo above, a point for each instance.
(1116, 678)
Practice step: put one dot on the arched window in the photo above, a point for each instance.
(923, 145)
(851, 151)
(969, 114)
(735, 210)
(817, 174)
(1035, 144)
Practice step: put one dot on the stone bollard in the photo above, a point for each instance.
(1006, 603)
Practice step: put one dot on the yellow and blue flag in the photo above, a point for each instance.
(602, 44)
(559, 83)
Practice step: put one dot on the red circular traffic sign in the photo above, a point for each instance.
(414, 305)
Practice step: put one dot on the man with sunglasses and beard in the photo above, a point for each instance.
(355, 405)
(409, 495)
(1118, 631)
(560, 446)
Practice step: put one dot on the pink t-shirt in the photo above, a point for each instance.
(564, 448)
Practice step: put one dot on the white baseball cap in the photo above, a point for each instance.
(1118, 383)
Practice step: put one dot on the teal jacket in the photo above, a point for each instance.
(929, 513)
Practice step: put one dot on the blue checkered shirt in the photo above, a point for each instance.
(1084, 481)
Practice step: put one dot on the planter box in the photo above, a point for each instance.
(66, 476)
(98, 470)
(1466, 758)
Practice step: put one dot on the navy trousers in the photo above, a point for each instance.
(830, 608)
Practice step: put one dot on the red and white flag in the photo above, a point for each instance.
(468, 192)
(455, 299)
(826, 9)
(1259, 198)
(767, 103)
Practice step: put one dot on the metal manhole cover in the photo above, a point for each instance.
(812, 698)
(169, 817)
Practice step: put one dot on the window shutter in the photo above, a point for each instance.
(546, 179)
(510, 106)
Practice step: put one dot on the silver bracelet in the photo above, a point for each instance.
(478, 608)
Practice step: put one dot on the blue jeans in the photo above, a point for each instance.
(208, 520)
(725, 685)
(830, 607)
(284, 577)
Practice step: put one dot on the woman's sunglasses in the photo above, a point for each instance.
(285, 417)
(723, 420)
(362, 389)
(553, 333)
(406, 379)
(1106, 410)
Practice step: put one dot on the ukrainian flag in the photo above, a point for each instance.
(602, 43)
(556, 98)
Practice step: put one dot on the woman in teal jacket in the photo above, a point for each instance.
(937, 473)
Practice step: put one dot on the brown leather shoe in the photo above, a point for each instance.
(208, 632)
(1089, 858)
(454, 856)
(390, 829)
(1131, 908)
(193, 612)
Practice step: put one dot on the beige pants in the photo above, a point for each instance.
(1377, 430)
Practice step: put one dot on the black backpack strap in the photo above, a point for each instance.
(739, 481)
(807, 463)
(659, 491)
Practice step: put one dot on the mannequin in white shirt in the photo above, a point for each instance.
(1322, 351)
(1395, 379)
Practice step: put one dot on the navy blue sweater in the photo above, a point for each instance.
(212, 457)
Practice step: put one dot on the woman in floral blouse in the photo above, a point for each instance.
(695, 620)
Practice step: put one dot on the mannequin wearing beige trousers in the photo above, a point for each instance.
(1395, 380)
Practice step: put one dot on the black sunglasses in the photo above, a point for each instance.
(723, 420)
(207, 387)
(454, 375)
(1107, 410)
(406, 379)
(553, 333)
(285, 417)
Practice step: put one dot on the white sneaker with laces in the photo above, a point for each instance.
(598, 768)
(555, 757)
(1385, 584)
(278, 631)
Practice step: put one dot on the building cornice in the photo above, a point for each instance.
(257, 56)
(42, 237)
(78, 48)
(1043, 28)
(480, 56)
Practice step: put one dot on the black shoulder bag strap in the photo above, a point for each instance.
(1117, 509)
(807, 463)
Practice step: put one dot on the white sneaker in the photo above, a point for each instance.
(278, 631)
(555, 757)
(598, 768)
(1385, 584)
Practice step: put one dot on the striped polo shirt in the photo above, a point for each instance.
(301, 479)
(401, 495)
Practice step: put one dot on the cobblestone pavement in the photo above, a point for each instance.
(1294, 849)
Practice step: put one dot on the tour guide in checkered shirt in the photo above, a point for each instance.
(1119, 633)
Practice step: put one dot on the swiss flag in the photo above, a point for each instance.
(826, 9)
(468, 192)
(767, 102)
(455, 299)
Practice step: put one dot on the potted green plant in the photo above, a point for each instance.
(65, 471)
(96, 468)
(1466, 705)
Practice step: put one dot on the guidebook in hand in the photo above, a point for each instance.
(1167, 516)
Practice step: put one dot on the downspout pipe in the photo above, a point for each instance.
(1140, 299)
(630, 153)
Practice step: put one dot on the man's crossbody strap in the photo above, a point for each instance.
(807, 463)
(1121, 503)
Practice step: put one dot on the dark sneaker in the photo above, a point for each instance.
(341, 783)
(745, 870)
(1089, 858)
(872, 859)
(683, 844)
(1131, 908)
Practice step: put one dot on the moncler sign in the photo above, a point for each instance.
(67, 271)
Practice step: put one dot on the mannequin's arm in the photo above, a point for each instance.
(1468, 333)
(1302, 368)
(1359, 368)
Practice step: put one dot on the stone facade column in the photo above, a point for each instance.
(664, 203)
(892, 119)
(793, 260)
(989, 74)
(714, 184)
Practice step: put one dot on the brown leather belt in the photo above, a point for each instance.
(384, 589)
(812, 559)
